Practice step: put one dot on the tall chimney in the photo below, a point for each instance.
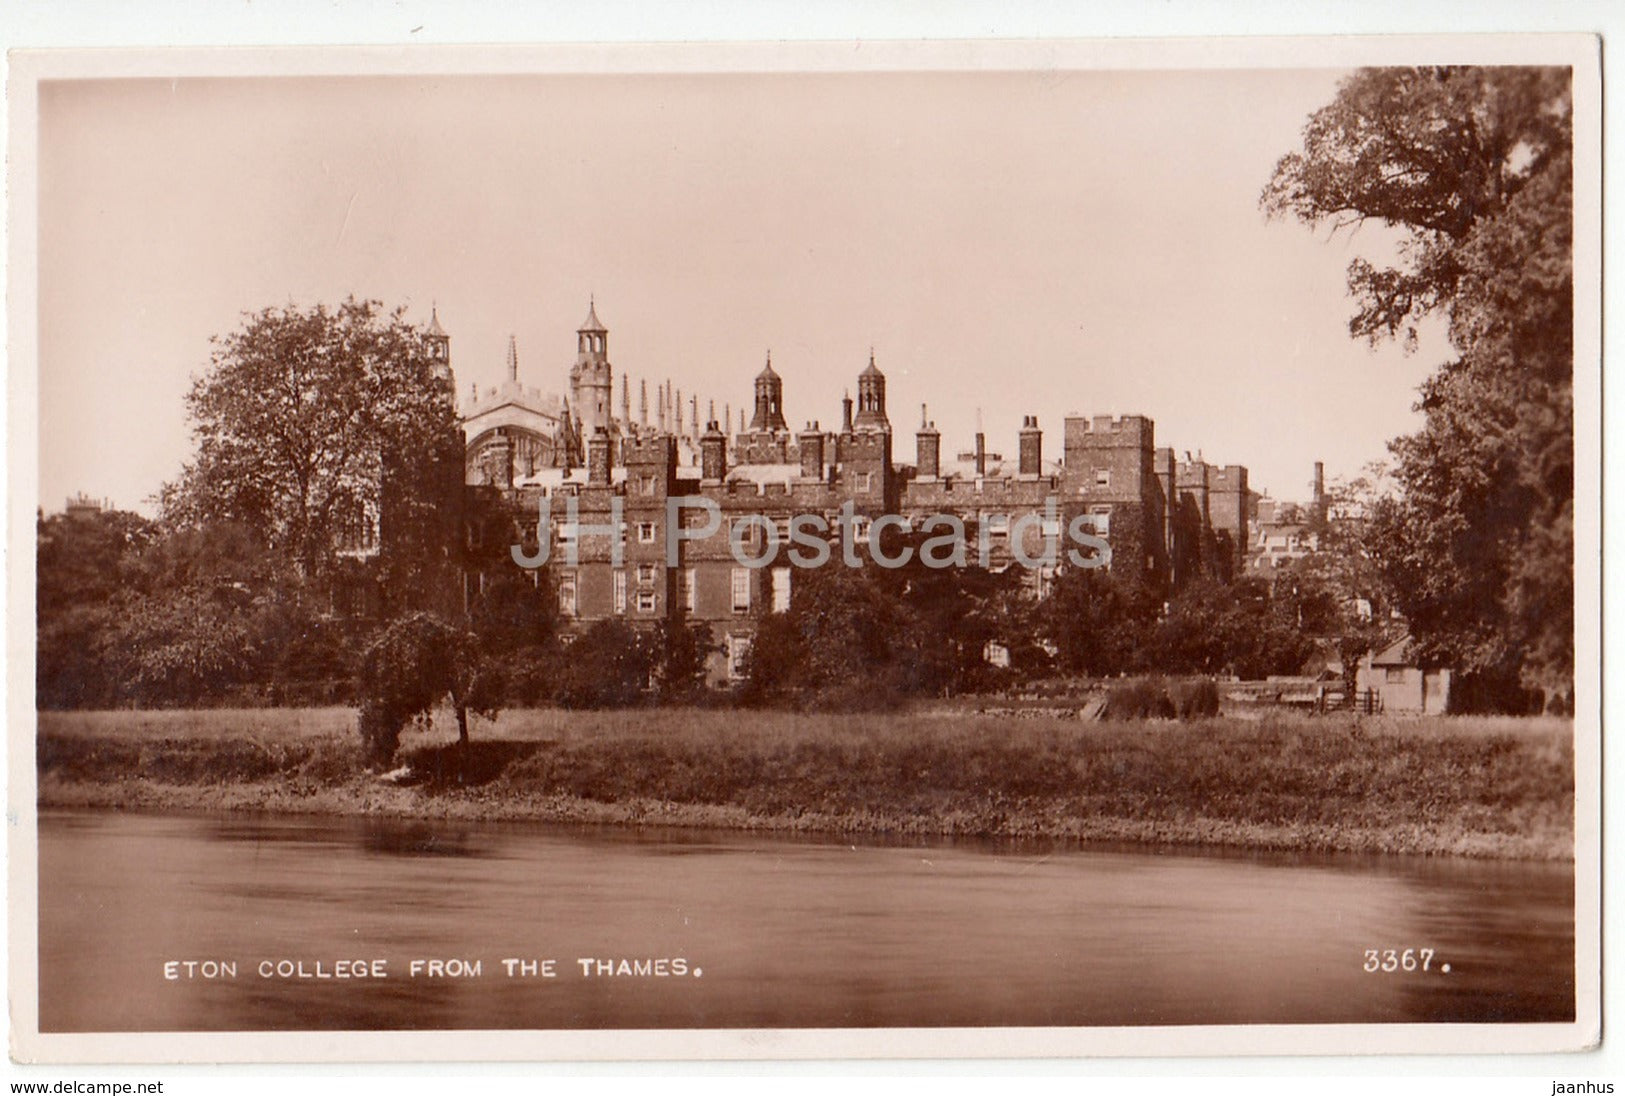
(927, 448)
(846, 412)
(598, 458)
(981, 453)
(811, 444)
(713, 452)
(1032, 446)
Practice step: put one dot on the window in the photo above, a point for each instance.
(781, 589)
(1103, 477)
(646, 601)
(646, 532)
(738, 656)
(1103, 520)
(647, 483)
(1394, 675)
(567, 593)
(741, 589)
(998, 525)
(620, 591)
(688, 589)
(646, 574)
(863, 480)
(860, 528)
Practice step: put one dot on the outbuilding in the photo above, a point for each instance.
(1392, 675)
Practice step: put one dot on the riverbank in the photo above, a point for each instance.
(1500, 788)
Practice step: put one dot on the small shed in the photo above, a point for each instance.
(1392, 674)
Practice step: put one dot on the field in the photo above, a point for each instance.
(1460, 785)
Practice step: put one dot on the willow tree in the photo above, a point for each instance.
(1473, 167)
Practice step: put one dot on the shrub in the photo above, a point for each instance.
(1154, 698)
(405, 671)
(1139, 698)
(1194, 699)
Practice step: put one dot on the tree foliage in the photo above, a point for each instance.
(407, 670)
(1473, 166)
(297, 419)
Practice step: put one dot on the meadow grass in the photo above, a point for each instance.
(1461, 785)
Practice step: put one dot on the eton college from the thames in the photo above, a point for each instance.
(531, 452)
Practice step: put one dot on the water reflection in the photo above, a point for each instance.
(784, 931)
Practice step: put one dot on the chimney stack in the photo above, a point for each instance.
(713, 453)
(598, 458)
(981, 453)
(1032, 446)
(927, 449)
(811, 445)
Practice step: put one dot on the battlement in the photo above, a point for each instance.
(1232, 477)
(865, 445)
(1105, 430)
(656, 449)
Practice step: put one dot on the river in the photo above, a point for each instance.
(737, 930)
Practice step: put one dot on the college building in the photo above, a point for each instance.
(582, 461)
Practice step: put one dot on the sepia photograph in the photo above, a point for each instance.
(798, 551)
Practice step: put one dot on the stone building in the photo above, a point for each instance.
(1163, 520)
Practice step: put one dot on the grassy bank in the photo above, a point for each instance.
(1467, 786)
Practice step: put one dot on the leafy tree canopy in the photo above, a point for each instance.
(296, 418)
(1473, 166)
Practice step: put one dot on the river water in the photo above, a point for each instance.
(734, 930)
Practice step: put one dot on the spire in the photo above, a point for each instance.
(592, 323)
(643, 402)
(626, 404)
(767, 370)
(434, 323)
(513, 358)
(871, 370)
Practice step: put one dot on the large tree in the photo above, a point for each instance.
(304, 417)
(1473, 167)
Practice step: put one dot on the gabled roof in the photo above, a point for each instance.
(1397, 653)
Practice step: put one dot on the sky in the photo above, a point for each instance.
(1008, 243)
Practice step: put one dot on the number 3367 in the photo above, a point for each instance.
(1390, 960)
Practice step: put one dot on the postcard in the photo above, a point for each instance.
(804, 550)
